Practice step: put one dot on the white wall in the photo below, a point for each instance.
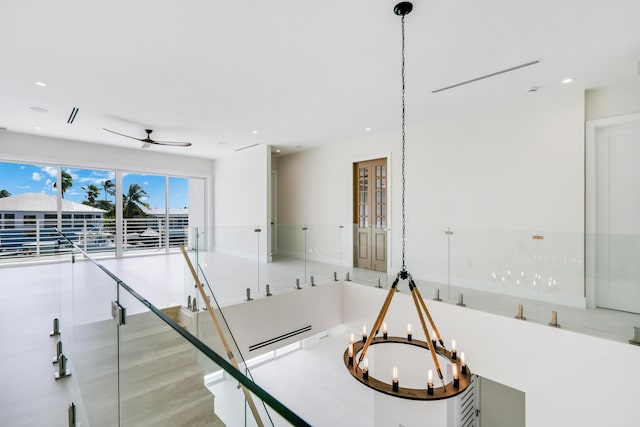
(496, 177)
(240, 190)
(266, 318)
(612, 101)
(36, 149)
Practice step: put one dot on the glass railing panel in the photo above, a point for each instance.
(490, 269)
(156, 355)
(208, 322)
(531, 265)
(93, 353)
(324, 251)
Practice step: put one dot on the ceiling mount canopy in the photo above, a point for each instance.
(403, 8)
(456, 376)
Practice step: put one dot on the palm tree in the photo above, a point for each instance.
(92, 194)
(67, 182)
(109, 188)
(4, 193)
(132, 202)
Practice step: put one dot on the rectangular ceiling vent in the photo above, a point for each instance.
(248, 146)
(73, 115)
(497, 73)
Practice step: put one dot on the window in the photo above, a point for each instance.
(155, 207)
(29, 223)
(50, 220)
(9, 220)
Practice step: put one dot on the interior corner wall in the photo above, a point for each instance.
(240, 202)
(612, 101)
(495, 176)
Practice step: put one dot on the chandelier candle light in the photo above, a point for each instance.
(460, 373)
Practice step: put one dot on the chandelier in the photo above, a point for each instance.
(355, 355)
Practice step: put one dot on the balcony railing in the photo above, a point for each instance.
(37, 238)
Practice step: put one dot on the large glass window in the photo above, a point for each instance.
(155, 209)
(143, 211)
(88, 210)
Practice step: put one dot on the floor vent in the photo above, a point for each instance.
(279, 338)
(72, 116)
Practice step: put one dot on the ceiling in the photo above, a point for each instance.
(290, 74)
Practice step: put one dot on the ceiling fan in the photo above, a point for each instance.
(148, 139)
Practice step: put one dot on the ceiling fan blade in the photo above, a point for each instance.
(172, 143)
(122, 134)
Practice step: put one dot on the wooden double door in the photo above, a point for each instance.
(370, 214)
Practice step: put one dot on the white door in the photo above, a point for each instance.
(617, 217)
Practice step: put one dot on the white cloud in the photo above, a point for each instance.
(49, 170)
(36, 176)
(24, 187)
(74, 175)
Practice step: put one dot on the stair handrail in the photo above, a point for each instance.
(261, 393)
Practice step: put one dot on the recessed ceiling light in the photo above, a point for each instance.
(255, 132)
(277, 151)
(37, 127)
(367, 129)
(567, 80)
(40, 84)
(39, 109)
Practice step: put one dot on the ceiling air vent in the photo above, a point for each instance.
(248, 146)
(466, 82)
(73, 115)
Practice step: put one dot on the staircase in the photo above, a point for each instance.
(161, 383)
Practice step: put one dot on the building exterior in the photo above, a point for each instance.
(29, 220)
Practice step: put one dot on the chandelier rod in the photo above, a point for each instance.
(404, 268)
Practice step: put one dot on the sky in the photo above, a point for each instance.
(26, 178)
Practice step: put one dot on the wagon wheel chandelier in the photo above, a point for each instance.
(355, 359)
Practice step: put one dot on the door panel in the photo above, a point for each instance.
(370, 214)
(363, 246)
(363, 241)
(618, 207)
